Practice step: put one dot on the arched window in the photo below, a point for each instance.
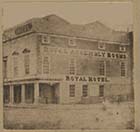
(15, 63)
(26, 60)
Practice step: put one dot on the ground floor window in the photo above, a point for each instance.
(101, 90)
(72, 90)
(6, 94)
(29, 93)
(17, 94)
(85, 90)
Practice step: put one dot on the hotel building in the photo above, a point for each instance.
(49, 60)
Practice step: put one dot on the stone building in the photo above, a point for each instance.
(49, 60)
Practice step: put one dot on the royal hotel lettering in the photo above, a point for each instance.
(89, 53)
(86, 79)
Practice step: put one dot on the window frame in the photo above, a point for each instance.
(103, 44)
(46, 63)
(72, 90)
(27, 72)
(83, 90)
(122, 48)
(72, 66)
(5, 61)
(15, 66)
(73, 44)
(102, 68)
(123, 71)
(45, 39)
(101, 90)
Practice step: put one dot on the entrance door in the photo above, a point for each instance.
(17, 94)
(47, 93)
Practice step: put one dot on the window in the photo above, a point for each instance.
(27, 63)
(6, 94)
(122, 48)
(72, 66)
(45, 39)
(101, 90)
(29, 93)
(102, 68)
(101, 46)
(5, 68)
(46, 65)
(15, 65)
(85, 90)
(45, 49)
(72, 42)
(72, 90)
(123, 69)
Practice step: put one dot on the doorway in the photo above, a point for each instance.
(48, 93)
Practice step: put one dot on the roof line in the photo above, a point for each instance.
(62, 35)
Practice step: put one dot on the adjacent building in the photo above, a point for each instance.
(49, 60)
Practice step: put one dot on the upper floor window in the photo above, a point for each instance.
(45, 39)
(101, 45)
(46, 65)
(27, 63)
(72, 42)
(123, 69)
(122, 48)
(72, 66)
(5, 67)
(26, 60)
(15, 65)
(102, 68)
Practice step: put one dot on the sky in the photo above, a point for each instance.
(117, 15)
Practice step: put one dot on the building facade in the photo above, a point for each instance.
(48, 60)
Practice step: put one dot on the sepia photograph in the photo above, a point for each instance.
(68, 66)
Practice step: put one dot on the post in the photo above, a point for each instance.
(11, 94)
(36, 93)
(23, 93)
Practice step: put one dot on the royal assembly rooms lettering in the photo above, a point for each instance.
(88, 53)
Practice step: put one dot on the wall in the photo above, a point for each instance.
(110, 90)
(19, 45)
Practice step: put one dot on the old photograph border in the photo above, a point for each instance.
(136, 75)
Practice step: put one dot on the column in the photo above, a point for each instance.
(11, 94)
(23, 93)
(36, 93)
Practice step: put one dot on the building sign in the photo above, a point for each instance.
(23, 29)
(88, 53)
(87, 79)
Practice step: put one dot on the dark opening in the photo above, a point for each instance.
(101, 90)
(29, 93)
(17, 94)
(6, 94)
